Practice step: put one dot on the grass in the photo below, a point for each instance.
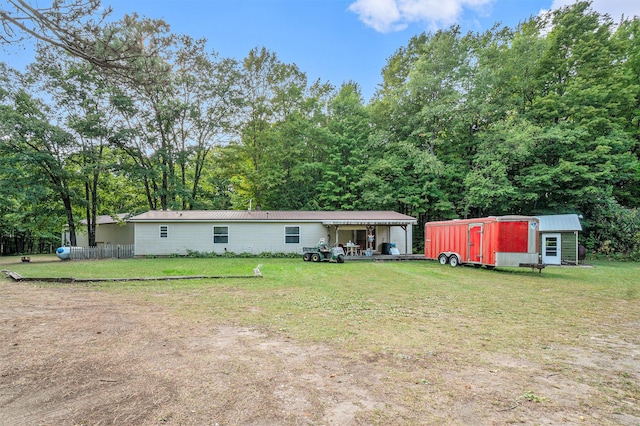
(404, 307)
(408, 312)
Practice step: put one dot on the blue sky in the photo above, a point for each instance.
(330, 40)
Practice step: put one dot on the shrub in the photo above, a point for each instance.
(613, 231)
(245, 255)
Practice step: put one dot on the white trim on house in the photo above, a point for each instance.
(220, 236)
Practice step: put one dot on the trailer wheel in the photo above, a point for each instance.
(340, 259)
(443, 259)
(453, 260)
(315, 257)
(306, 257)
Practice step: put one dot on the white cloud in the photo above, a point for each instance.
(394, 15)
(614, 8)
(381, 15)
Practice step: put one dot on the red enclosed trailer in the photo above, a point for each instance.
(490, 241)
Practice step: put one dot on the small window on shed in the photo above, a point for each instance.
(292, 234)
(220, 234)
(551, 246)
(164, 231)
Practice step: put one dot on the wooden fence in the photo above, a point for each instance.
(120, 251)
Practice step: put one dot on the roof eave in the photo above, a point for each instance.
(324, 222)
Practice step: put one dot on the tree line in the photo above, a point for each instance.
(543, 118)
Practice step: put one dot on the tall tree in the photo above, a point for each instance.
(31, 216)
(627, 80)
(423, 125)
(346, 154)
(79, 27)
(81, 99)
(149, 109)
(29, 139)
(275, 93)
(502, 89)
(583, 152)
(208, 87)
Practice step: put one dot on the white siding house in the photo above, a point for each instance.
(110, 231)
(163, 233)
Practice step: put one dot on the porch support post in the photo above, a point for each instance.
(370, 229)
(406, 243)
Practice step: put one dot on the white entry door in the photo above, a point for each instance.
(551, 249)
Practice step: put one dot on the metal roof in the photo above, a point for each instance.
(560, 222)
(107, 219)
(325, 217)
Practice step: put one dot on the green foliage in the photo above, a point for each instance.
(345, 150)
(232, 255)
(614, 230)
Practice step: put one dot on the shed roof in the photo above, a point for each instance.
(559, 223)
(325, 217)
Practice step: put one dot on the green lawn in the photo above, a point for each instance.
(578, 324)
(408, 306)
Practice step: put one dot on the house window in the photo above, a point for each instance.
(220, 234)
(292, 234)
(164, 231)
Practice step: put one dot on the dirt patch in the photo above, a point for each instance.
(73, 355)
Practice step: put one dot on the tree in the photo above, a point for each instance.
(422, 126)
(72, 25)
(584, 152)
(208, 89)
(29, 210)
(627, 80)
(81, 100)
(277, 111)
(149, 111)
(348, 132)
(31, 141)
(493, 184)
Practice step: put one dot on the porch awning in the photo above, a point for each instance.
(369, 222)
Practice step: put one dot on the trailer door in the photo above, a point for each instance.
(475, 242)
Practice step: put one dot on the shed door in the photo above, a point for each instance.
(551, 249)
(475, 243)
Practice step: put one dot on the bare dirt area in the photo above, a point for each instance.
(77, 356)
